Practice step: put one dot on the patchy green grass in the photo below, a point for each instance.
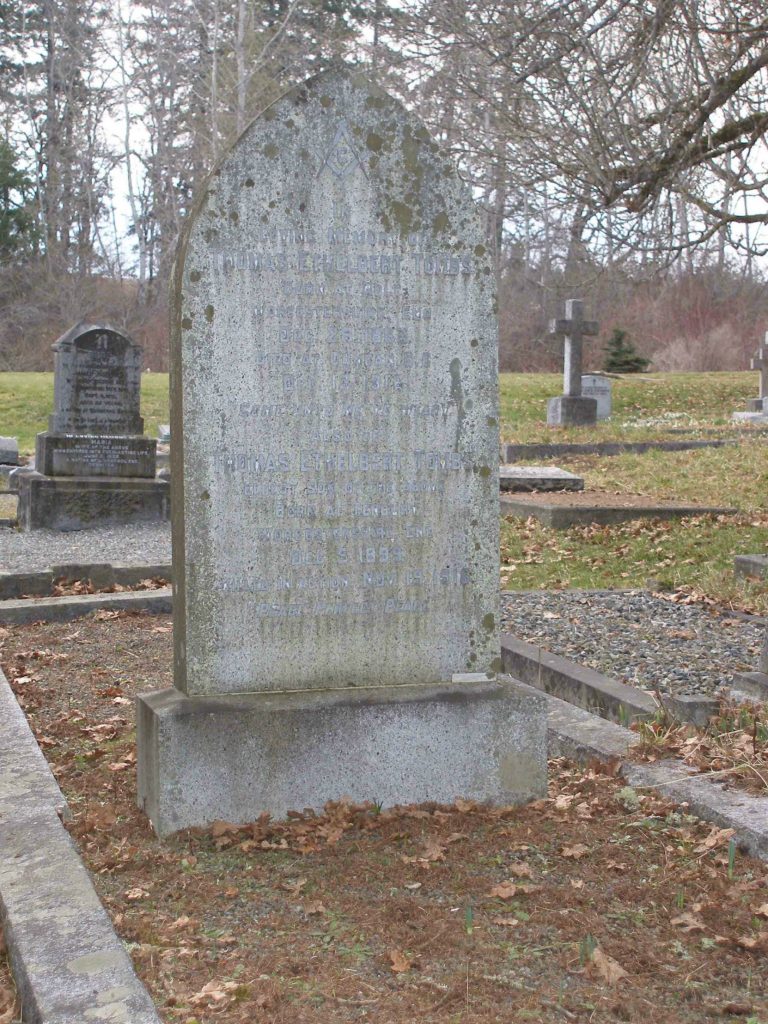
(694, 554)
(735, 476)
(644, 406)
(26, 399)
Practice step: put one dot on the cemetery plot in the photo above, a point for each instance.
(601, 901)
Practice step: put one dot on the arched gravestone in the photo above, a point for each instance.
(335, 479)
(96, 428)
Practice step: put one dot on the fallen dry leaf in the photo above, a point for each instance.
(400, 962)
(507, 921)
(607, 968)
(575, 852)
(294, 888)
(754, 942)
(520, 870)
(717, 837)
(688, 923)
(504, 891)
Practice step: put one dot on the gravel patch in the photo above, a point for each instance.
(637, 638)
(136, 544)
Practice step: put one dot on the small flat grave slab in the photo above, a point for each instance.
(9, 451)
(751, 565)
(750, 417)
(560, 511)
(538, 478)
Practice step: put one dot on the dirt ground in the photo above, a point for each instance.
(597, 904)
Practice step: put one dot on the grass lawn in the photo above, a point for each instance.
(644, 406)
(26, 399)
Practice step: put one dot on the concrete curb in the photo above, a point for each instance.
(68, 962)
(561, 517)
(100, 574)
(581, 737)
(523, 452)
(588, 689)
(64, 609)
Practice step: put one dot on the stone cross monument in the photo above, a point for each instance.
(572, 408)
(760, 362)
(334, 481)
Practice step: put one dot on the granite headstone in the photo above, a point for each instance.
(96, 428)
(599, 388)
(93, 466)
(334, 474)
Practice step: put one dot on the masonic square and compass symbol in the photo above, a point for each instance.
(342, 156)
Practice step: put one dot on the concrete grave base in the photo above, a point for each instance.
(571, 411)
(108, 455)
(233, 758)
(77, 503)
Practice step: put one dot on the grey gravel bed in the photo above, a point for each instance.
(139, 544)
(637, 638)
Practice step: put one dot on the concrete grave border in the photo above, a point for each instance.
(101, 574)
(523, 452)
(562, 517)
(585, 688)
(581, 737)
(64, 609)
(68, 963)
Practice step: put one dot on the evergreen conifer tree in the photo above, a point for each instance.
(621, 356)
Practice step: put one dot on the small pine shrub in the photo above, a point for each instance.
(621, 356)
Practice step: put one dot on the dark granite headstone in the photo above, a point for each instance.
(96, 428)
(93, 466)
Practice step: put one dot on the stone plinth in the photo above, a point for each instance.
(90, 455)
(78, 503)
(571, 411)
(756, 405)
(233, 758)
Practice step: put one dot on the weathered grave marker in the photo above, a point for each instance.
(93, 465)
(760, 362)
(599, 388)
(335, 487)
(572, 408)
(757, 408)
(9, 451)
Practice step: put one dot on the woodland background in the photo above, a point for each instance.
(617, 148)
